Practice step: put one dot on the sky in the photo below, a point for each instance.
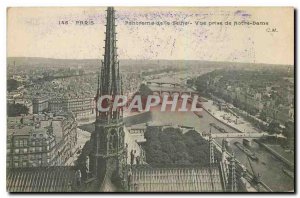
(38, 32)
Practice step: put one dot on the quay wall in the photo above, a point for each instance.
(273, 152)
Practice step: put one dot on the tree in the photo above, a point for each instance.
(201, 84)
(145, 90)
(172, 148)
(289, 132)
(190, 82)
(12, 85)
(274, 127)
(263, 116)
(16, 110)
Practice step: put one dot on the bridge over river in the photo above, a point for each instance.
(239, 135)
(169, 88)
(269, 167)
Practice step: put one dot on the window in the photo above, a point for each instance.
(25, 150)
(21, 143)
(16, 164)
(25, 142)
(8, 151)
(17, 151)
(24, 164)
(17, 143)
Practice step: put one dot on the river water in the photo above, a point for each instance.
(267, 166)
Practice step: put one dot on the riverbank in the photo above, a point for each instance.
(238, 124)
(276, 154)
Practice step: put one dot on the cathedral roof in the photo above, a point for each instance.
(40, 179)
(203, 179)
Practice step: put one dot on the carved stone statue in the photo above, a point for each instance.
(87, 165)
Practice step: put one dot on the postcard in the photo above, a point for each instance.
(150, 99)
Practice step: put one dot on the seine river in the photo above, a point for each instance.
(267, 166)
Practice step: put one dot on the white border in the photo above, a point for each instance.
(36, 3)
(150, 3)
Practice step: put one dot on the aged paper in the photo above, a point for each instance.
(150, 99)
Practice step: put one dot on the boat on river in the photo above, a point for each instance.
(249, 153)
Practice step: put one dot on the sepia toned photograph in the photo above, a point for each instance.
(150, 99)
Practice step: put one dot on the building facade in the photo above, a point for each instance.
(40, 140)
(82, 107)
(39, 105)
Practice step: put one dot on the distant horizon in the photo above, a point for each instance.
(148, 60)
(38, 32)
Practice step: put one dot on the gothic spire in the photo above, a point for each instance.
(110, 73)
(110, 83)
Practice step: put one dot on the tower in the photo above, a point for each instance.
(107, 156)
(231, 185)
